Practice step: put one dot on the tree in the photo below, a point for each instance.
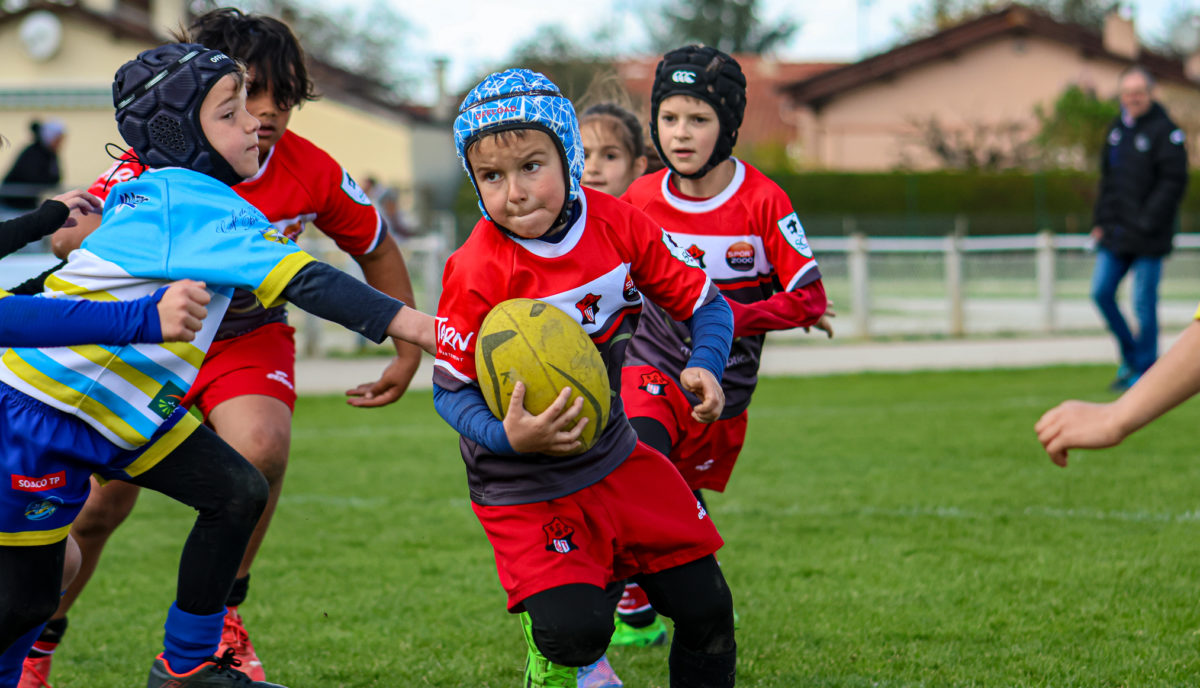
(1181, 37)
(366, 42)
(734, 26)
(936, 15)
(1072, 134)
(569, 63)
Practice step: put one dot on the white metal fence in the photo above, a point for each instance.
(958, 286)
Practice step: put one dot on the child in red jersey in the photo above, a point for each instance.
(245, 389)
(568, 526)
(738, 226)
(613, 152)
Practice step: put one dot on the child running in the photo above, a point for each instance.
(245, 389)
(68, 412)
(741, 229)
(567, 527)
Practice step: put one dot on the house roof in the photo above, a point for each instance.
(1015, 20)
(340, 84)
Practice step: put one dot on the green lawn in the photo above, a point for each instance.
(882, 530)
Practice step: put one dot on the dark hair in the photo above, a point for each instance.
(628, 129)
(263, 44)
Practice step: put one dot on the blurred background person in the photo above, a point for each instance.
(1143, 175)
(36, 170)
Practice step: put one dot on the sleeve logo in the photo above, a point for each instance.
(449, 336)
(793, 231)
(678, 251)
(353, 190)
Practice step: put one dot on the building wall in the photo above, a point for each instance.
(74, 86)
(993, 85)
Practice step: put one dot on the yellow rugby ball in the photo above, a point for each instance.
(533, 342)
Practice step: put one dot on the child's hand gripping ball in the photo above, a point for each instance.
(529, 341)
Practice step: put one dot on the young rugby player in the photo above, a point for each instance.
(740, 228)
(245, 389)
(568, 528)
(70, 412)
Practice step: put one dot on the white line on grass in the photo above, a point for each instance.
(955, 512)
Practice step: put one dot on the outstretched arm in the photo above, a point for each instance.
(1168, 383)
(171, 314)
(385, 270)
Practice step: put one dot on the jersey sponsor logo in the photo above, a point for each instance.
(558, 536)
(678, 251)
(630, 291)
(129, 200)
(276, 236)
(683, 76)
(46, 482)
(697, 255)
(1114, 137)
(167, 400)
(654, 384)
(1142, 143)
(448, 335)
(793, 231)
(740, 256)
(1177, 137)
(42, 509)
(587, 308)
(496, 112)
(281, 377)
(353, 190)
(241, 220)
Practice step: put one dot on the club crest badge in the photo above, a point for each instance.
(654, 383)
(558, 536)
(587, 308)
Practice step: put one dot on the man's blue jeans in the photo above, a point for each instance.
(1137, 353)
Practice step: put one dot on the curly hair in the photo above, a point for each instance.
(263, 44)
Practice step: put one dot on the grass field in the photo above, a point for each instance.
(882, 530)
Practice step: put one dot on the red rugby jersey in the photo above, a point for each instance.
(297, 184)
(749, 241)
(608, 258)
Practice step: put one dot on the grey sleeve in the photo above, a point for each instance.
(329, 293)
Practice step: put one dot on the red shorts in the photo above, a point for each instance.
(641, 518)
(259, 362)
(704, 453)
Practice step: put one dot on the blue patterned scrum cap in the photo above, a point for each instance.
(158, 96)
(521, 99)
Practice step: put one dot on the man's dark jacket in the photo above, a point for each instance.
(1143, 174)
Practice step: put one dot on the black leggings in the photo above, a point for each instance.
(204, 473)
(572, 624)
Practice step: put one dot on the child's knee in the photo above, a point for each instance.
(576, 643)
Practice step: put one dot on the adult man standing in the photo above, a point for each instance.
(1143, 174)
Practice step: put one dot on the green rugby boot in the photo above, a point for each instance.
(630, 636)
(539, 671)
